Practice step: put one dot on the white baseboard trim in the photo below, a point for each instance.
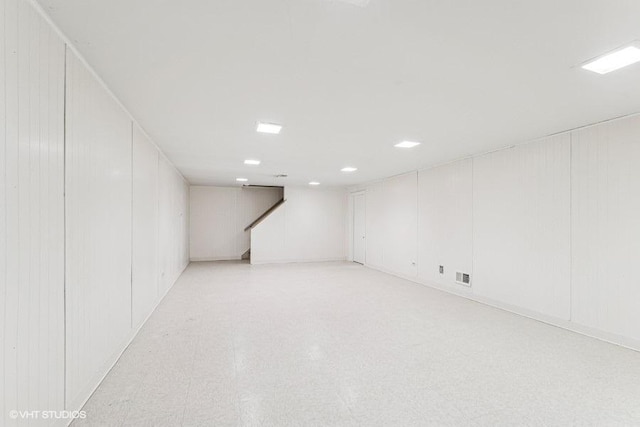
(611, 338)
(295, 261)
(111, 362)
(217, 258)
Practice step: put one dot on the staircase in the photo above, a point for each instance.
(247, 255)
(265, 214)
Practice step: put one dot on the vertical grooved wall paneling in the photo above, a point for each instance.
(392, 216)
(98, 230)
(521, 226)
(549, 228)
(445, 223)
(31, 214)
(144, 263)
(70, 300)
(606, 227)
(173, 220)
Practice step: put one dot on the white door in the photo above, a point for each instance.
(359, 241)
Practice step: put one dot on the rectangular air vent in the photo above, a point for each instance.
(463, 279)
(441, 269)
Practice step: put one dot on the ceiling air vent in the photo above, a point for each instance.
(281, 175)
(463, 278)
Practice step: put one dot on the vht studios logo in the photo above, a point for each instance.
(47, 415)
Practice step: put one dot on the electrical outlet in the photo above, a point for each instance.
(442, 269)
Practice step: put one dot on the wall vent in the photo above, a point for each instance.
(441, 269)
(463, 279)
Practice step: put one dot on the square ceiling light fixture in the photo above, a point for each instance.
(359, 3)
(271, 128)
(407, 144)
(614, 60)
(348, 169)
(242, 179)
(252, 162)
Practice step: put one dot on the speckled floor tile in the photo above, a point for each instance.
(336, 344)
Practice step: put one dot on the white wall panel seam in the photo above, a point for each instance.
(158, 226)
(571, 230)
(3, 209)
(64, 192)
(473, 245)
(417, 245)
(131, 231)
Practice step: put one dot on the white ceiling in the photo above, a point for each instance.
(349, 78)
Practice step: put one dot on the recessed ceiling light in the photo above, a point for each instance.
(348, 169)
(407, 144)
(360, 3)
(271, 128)
(242, 179)
(252, 162)
(614, 60)
(314, 183)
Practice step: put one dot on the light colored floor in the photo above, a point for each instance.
(338, 344)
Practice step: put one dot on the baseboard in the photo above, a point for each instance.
(111, 362)
(611, 338)
(295, 261)
(218, 258)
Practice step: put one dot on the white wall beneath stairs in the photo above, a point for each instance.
(219, 216)
(310, 226)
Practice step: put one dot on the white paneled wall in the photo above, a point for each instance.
(549, 229)
(173, 234)
(127, 221)
(98, 212)
(31, 214)
(213, 224)
(81, 187)
(310, 226)
(219, 216)
(126, 228)
(445, 222)
(521, 226)
(401, 227)
(144, 262)
(606, 227)
(392, 224)
(375, 237)
(213, 232)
